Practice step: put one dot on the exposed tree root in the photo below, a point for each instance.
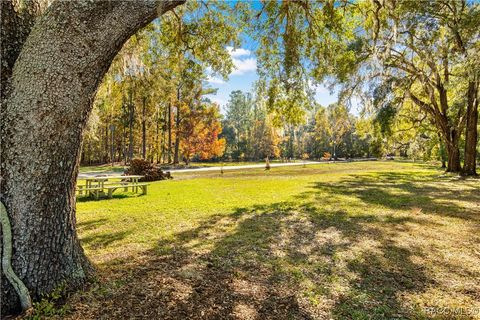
(18, 285)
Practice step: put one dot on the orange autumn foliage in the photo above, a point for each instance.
(199, 132)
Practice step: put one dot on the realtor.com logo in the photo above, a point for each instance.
(457, 311)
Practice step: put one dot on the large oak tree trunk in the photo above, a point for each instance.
(53, 84)
(453, 164)
(471, 135)
(451, 138)
(17, 20)
(453, 151)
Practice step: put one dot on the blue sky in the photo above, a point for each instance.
(244, 76)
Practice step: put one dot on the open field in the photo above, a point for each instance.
(371, 240)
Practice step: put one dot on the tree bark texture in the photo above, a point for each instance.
(52, 87)
(451, 138)
(453, 164)
(16, 22)
(471, 134)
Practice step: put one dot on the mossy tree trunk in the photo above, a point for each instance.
(51, 89)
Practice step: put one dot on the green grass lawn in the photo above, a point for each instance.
(225, 164)
(369, 240)
(118, 168)
(102, 169)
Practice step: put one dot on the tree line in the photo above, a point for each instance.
(151, 103)
(247, 132)
(410, 59)
(327, 132)
(415, 71)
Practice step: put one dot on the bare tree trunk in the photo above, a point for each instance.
(131, 118)
(177, 131)
(471, 135)
(169, 133)
(157, 135)
(124, 130)
(451, 139)
(53, 84)
(106, 147)
(89, 154)
(164, 137)
(176, 152)
(144, 128)
(443, 159)
(453, 164)
(453, 153)
(124, 143)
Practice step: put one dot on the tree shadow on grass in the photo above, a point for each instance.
(91, 224)
(320, 256)
(104, 197)
(282, 261)
(97, 241)
(401, 191)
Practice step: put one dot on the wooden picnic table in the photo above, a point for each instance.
(96, 184)
(100, 180)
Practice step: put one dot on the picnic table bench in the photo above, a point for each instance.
(112, 188)
(99, 185)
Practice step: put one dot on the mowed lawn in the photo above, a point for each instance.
(370, 240)
(119, 168)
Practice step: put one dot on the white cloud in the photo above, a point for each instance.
(217, 100)
(215, 80)
(243, 66)
(240, 52)
(242, 62)
(321, 89)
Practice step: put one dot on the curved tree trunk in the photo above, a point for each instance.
(53, 84)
